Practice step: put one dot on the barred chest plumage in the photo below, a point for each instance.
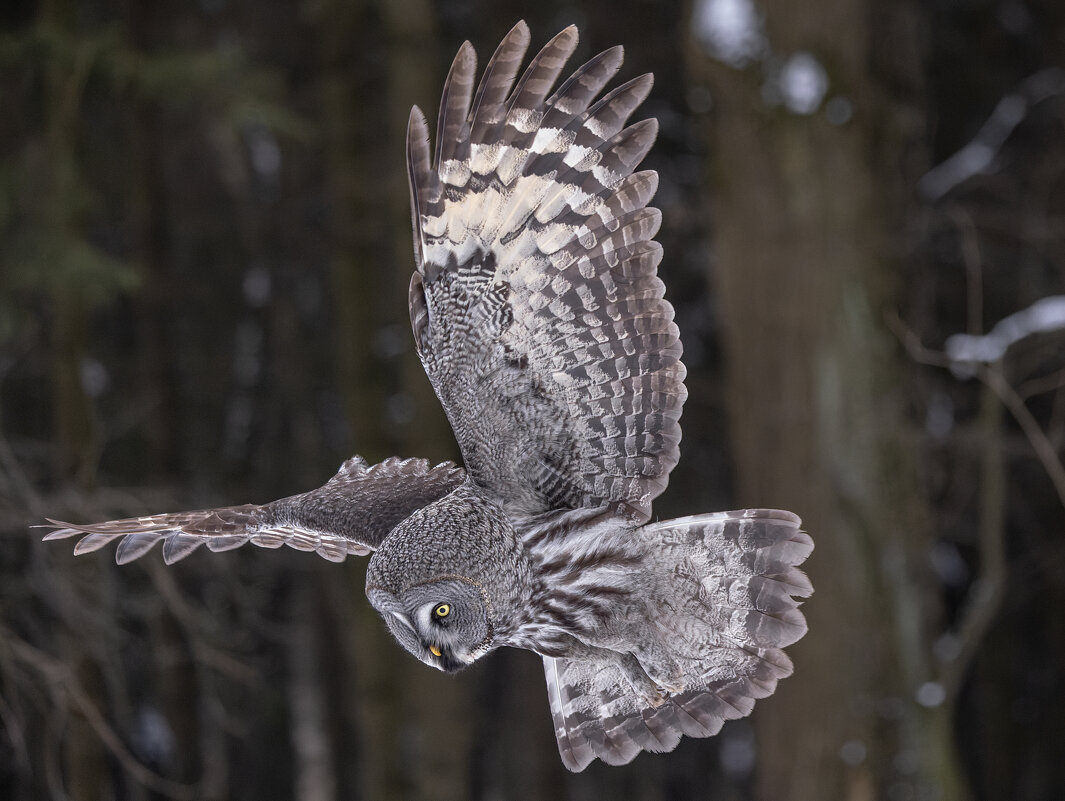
(588, 578)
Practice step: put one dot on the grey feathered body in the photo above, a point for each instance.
(542, 325)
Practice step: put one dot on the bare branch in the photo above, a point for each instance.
(17, 477)
(204, 653)
(986, 593)
(15, 735)
(55, 671)
(992, 376)
(974, 282)
(978, 156)
(1044, 383)
(914, 347)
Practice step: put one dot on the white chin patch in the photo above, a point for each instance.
(423, 615)
(469, 657)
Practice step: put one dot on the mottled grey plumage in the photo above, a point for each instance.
(540, 321)
(350, 514)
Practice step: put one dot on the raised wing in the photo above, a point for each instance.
(536, 308)
(350, 514)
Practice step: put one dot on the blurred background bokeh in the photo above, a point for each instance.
(204, 253)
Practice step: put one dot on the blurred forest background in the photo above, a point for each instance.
(204, 253)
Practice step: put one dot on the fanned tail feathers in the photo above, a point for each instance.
(732, 599)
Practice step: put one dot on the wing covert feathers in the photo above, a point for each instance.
(536, 281)
(350, 514)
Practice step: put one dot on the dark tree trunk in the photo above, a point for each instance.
(806, 211)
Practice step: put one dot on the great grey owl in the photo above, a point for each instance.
(540, 320)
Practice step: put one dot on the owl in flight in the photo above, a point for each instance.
(540, 320)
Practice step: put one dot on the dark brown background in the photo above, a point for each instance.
(204, 254)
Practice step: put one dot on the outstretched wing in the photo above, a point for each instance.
(536, 308)
(350, 514)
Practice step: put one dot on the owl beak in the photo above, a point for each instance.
(435, 651)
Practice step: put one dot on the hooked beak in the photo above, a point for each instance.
(435, 651)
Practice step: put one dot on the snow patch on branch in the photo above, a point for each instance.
(978, 157)
(1043, 316)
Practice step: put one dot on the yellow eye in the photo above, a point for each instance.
(434, 650)
(443, 610)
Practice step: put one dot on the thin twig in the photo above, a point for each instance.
(11, 465)
(1044, 383)
(974, 282)
(992, 376)
(205, 654)
(1056, 425)
(56, 671)
(987, 591)
(917, 351)
(15, 735)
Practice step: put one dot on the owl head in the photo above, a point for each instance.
(446, 623)
(450, 579)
